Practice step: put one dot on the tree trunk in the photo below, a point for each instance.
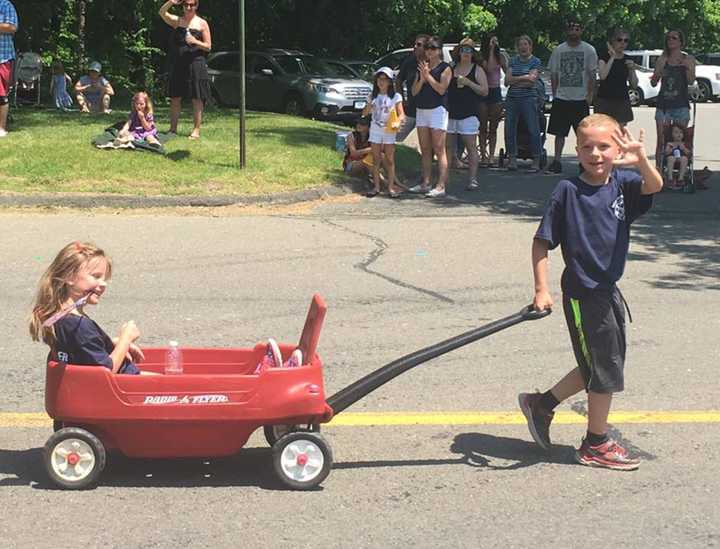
(81, 55)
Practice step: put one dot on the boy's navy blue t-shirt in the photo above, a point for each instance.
(79, 340)
(592, 226)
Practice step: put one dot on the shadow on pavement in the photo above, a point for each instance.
(480, 449)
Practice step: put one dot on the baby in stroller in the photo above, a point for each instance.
(677, 155)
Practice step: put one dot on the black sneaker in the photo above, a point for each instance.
(554, 167)
(538, 421)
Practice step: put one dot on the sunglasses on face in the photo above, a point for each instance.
(626, 40)
(419, 45)
(574, 26)
(466, 49)
(431, 47)
(189, 6)
(673, 37)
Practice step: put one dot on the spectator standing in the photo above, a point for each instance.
(8, 28)
(493, 62)
(675, 70)
(94, 91)
(467, 87)
(406, 77)
(616, 70)
(573, 65)
(430, 91)
(190, 44)
(522, 101)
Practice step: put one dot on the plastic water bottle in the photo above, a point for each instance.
(173, 359)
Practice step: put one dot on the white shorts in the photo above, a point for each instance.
(381, 137)
(436, 118)
(465, 126)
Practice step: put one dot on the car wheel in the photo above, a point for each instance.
(74, 458)
(294, 105)
(704, 91)
(636, 97)
(302, 460)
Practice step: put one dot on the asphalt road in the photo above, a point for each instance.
(397, 275)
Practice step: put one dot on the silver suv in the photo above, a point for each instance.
(287, 81)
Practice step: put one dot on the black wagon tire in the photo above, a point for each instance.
(302, 460)
(273, 433)
(74, 458)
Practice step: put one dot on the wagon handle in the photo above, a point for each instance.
(362, 387)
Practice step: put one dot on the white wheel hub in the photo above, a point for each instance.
(302, 460)
(72, 459)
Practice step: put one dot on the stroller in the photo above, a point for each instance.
(26, 79)
(671, 173)
(523, 136)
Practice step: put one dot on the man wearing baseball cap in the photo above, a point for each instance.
(8, 28)
(94, 91)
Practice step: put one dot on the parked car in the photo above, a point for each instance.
(707, 77)
(393, 60)
(645, 93)
(353, 68)
(708, 58)
(288, 81)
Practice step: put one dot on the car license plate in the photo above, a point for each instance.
(360, 104)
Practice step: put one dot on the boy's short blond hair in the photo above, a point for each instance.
(596, 120)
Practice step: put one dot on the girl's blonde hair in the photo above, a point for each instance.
(53, 288)
(148, 102)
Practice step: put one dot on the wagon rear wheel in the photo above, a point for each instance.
(74, 458)
(302, 460)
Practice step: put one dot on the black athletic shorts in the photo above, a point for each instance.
(596, 323)
(564, 114)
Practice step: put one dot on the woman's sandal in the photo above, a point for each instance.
(371, 194)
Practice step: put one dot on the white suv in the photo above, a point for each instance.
(707, 77)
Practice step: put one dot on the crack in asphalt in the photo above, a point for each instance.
(374, 255)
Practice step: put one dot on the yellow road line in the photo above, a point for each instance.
(449, 418)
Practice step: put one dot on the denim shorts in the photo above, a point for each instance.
(681, 114)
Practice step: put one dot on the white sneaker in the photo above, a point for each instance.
(435, 193)
(473, 185)
(3, 133)
(295, 359)
(418, 189)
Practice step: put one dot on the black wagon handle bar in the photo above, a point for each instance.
(362, 387)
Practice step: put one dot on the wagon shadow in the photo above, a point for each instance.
(250, 467)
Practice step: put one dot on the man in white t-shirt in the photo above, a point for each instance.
(573, 65)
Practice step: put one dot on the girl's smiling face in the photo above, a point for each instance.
(91, 278)
(383, 83)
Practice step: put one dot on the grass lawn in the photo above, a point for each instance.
(49, 151)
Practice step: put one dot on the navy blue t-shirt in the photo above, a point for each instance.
(592, 226)
(79, 340)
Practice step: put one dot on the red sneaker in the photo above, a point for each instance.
(609, 455)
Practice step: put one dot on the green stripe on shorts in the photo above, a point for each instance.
(575, 303)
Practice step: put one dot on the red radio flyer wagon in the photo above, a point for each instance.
(213, 407)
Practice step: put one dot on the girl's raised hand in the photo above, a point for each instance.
(632, 150)
(130, 331)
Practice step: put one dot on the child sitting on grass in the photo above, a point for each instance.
(589, 216)
(140, 125)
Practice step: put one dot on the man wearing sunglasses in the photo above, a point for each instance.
(572, 66)
(406, 76)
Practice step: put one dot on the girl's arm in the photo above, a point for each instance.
(368, 106)
(169, 18)
(146, 124)
(442, 86)
(128, 334)
(400, 111)
(543, 299)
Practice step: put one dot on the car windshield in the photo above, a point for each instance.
(341, 70)
(304, 64)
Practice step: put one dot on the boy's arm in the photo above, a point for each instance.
(542, 299)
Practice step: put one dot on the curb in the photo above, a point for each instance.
(87, 201)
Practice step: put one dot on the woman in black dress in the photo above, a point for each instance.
(191, 42)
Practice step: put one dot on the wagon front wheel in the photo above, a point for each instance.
(302, 460)
(273, 433)
(74, 458)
